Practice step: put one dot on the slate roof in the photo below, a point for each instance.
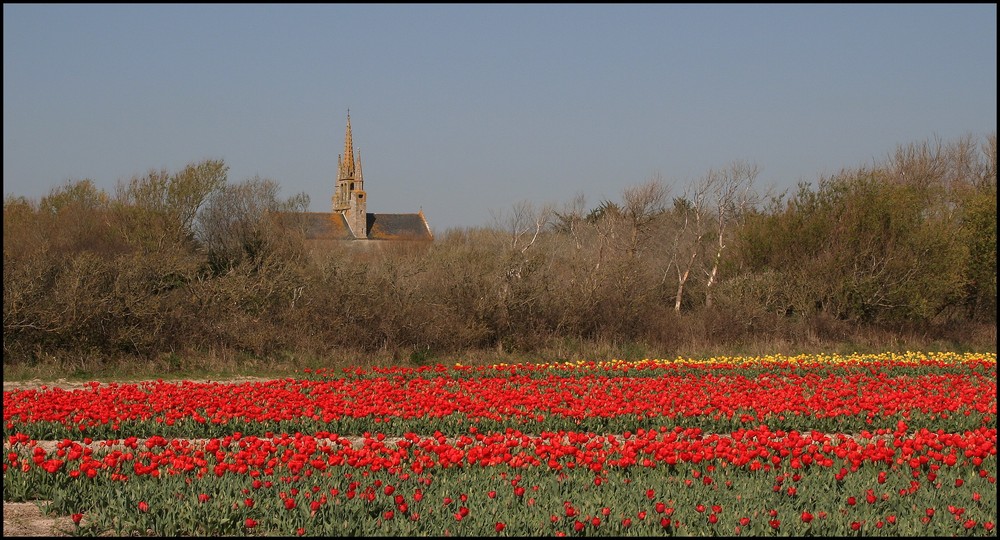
(333, 226)
(398, 227)
(326, 226)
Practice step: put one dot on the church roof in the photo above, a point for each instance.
(333, 226)
(398, 227)
(326, 226)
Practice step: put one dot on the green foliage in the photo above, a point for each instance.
(979, 231)
(421, 357)
(903, 241)
(158, 211)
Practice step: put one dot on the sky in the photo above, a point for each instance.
(464, 111)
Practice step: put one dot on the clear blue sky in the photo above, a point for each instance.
(466, 109)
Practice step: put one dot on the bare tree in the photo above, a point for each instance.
(570, 219)
(988, 175)
(235, 225)
(731, 192)
(689, 216)
(641, 205)
(523, 220)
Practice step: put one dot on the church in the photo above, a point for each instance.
(350, 219)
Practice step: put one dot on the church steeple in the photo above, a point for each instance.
(349, 189)
(346, 162)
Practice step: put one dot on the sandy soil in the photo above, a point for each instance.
(27, 519)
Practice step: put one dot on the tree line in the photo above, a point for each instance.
(189, 264)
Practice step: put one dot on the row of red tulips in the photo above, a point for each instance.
(924, 452)
(817, 397)
(882, 482)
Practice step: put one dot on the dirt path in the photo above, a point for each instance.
(35, 384)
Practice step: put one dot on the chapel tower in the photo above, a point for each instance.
(349, 192)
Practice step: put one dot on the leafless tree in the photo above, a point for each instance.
(235, 223)
(988, 176)
(690, 219)
(523, 220)
(570, 219)
(641, 205)
(731, 193)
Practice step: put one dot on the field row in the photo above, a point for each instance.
(845, 397)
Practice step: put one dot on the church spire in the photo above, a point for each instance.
(349, 192)
(360, 176)
(347, 160)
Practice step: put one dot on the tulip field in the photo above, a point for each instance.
(895, 444)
